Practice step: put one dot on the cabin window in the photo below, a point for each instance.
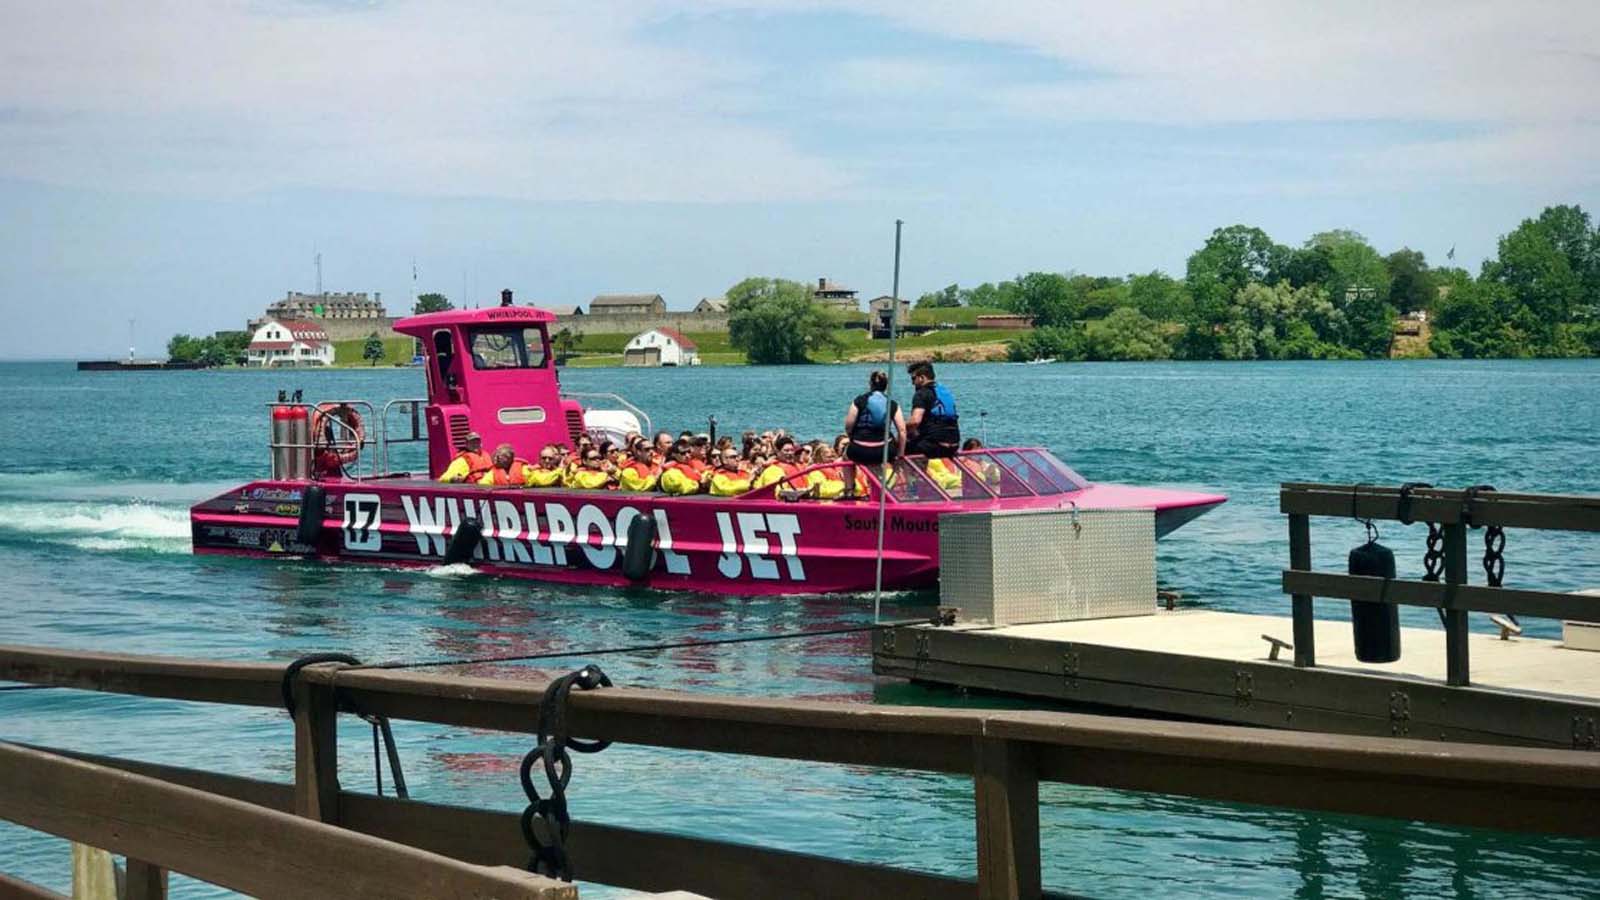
(508, 348)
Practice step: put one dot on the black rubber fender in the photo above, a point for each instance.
(313, 506)
(462, 544)
(639, 557)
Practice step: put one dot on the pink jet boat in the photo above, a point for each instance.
(491, 371)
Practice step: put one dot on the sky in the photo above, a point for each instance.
(181, 164)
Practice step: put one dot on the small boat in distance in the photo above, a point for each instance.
(491, 371)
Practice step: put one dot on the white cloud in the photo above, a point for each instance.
(560, 104)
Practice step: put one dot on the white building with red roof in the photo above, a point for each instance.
(660, 347)
(289, 342)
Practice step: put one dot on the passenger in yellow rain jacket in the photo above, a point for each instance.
(729, 479)
(642, 473)
(590, 475)
(785, 472)
(946, 474)
(507, 471)
(470, 464)
(549, 472)
(679, 477)
(829, 482)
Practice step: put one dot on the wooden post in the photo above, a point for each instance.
(316, 752)
(1305, 634)
(145, 881)
(1006, 782)
(94, 873)
(1455, 620)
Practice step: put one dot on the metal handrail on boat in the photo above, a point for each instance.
(346, 431)
(416, 405)
(644, 417)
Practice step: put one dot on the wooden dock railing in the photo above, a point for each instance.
(1455, 512)
(1006, 753)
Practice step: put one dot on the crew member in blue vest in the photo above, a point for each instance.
(867, 422)
(934, 428)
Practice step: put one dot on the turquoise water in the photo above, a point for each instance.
(97, 470)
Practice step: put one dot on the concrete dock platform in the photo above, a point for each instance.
(1216, 666)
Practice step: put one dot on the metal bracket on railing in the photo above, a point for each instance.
(1070, 663)
(1399, 713)
(1585, 735)
(1244, 687)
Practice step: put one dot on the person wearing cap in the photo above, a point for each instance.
(470, 464)
(549, 472)
(700, 456)
(508, 470)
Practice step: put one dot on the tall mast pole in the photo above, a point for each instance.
(883, 478)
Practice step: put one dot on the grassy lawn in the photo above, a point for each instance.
(395, 350)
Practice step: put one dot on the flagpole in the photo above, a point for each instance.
(883, 478)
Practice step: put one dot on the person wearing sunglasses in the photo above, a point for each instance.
(641, 473)
(590, 474)
(549, 472)
(680, 476)
(729, 479)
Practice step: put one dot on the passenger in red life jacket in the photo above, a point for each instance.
(507, 471)
(785, 470)
(470, 464)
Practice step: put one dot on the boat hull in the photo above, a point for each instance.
(743, 546)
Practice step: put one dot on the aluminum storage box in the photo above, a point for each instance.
(1018, 566)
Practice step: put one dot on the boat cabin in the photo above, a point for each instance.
(491, 371)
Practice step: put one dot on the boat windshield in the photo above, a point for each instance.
(1014, 473)
(907, 483)
(507, 348)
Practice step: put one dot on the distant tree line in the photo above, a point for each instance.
(219, 349)
(1244, 296)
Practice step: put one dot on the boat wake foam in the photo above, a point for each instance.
(453, 570)
(97, 527)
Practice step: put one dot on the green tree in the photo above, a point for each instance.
(1308, 265)
(1467, 323)
(1127, 334)
(1569, 230)
(1411, 283)
(1232, 258)
(1159, 296)
(1281, 322)
(372, 351)
(427, 303)
(950, 296)
(774, 321)
(564, 343)
(1047, 296)
(183, 348)
(1062, 343)
(1540, 279)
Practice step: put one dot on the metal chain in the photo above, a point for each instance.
(1433, 560)
(380, 724)
(1494, 537)
(549, 855)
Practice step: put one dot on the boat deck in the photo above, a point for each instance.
(1216, 666)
